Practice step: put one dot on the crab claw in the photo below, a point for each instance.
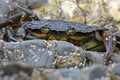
(109, 47)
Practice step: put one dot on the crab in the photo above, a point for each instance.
(79, 34)
(75, 33)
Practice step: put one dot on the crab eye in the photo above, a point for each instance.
(71, 31)
(45, 29)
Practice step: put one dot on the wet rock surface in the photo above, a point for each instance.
(42, 53)
(53, 60)
(20, 71)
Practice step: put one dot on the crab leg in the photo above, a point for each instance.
(17, 17)
(110, 43)
(109, 48)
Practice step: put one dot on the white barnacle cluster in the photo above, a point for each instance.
(48, 44)
(39, 49)
(17, 51)
(60, 61)
(21, 57)
(14, 48)
(68, 60)
(56, 48)
(33, 46)
(50, 53)
(5, 51)
(75, 58)
(36, 58)
(65, 52)
(33, 53)
(43, 49)
(45, 43)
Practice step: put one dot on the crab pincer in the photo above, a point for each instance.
(110, 43)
